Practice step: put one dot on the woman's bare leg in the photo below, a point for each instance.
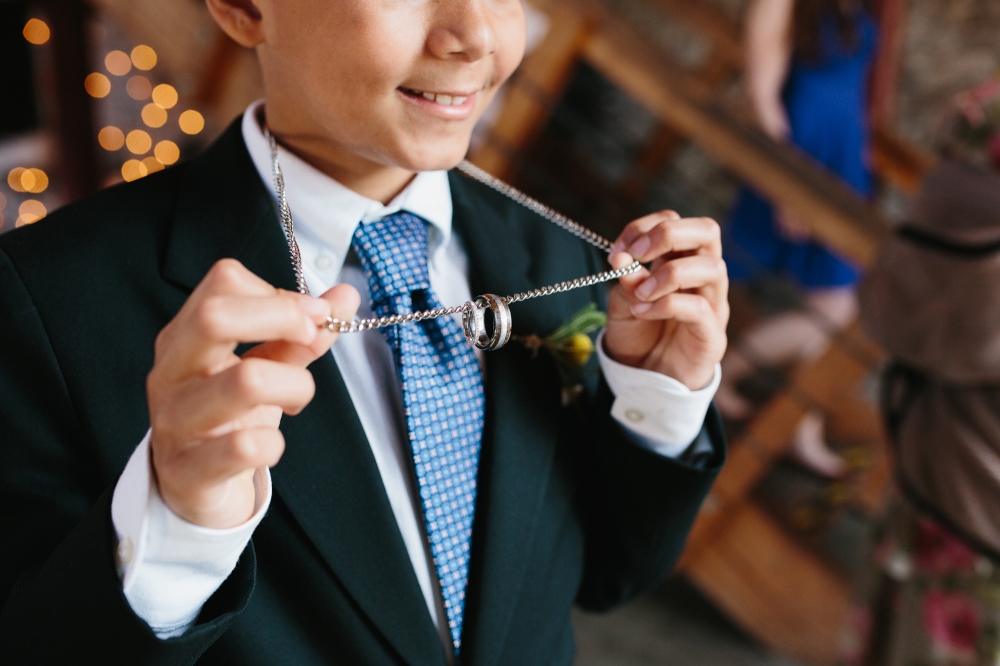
(791, 337)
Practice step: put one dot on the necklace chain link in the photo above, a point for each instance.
(490, 181)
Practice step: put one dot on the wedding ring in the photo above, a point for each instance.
(474, 323)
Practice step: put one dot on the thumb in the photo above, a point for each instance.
(340, 302)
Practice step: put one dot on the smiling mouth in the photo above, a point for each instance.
(443, 99)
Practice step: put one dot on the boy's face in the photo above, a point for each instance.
(395, 82)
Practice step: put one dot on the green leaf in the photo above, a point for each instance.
(586, 321)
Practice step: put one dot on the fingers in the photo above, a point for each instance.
(192, 475)
(691, 309)
(341, 302)
(204, 404)
(705, 274)
(664, 233)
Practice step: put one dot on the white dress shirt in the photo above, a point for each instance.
(170, 567)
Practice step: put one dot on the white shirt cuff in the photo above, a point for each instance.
(665, 415)
(170, 567)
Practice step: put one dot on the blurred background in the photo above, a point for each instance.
(809, 156)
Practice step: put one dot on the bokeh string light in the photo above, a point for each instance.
(138, 142)
(30, 211)
(138, 87)
(165, 96)
(133, 170)
(167, 152)
(152, 165)
(36, 31)
(14, 179)
(144, 57)
(191, 122)
(111, 138)
(118, 63)
(154, 115)
(97, 85)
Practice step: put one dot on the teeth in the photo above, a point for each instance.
(444, 100)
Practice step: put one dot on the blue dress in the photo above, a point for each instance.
(826, 102)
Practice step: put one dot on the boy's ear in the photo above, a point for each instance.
(240, 19)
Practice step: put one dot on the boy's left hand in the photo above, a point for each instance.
(670, 318)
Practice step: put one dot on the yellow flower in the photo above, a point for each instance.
(577, 349)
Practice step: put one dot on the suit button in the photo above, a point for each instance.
(634, 415)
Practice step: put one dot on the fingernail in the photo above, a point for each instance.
(644, 290)
(617, 247)
(639, 248)
(641, 308)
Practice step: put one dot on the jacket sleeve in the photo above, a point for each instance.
(64, 599)
(638, 506)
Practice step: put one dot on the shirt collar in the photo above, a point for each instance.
(326, 213)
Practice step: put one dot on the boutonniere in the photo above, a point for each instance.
(571, 347)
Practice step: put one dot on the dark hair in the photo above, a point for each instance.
(807, 24)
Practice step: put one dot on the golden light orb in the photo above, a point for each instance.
(97, 85)
(133, 170)
(36, 31)
(152, 165)
(30, 212)
(191, 122)
(165, 96)
(153, 115)
(111, 138)
(144, 57)
(167, 152)
(138, 142)
(14, 179)
(118, 63)
(139, 87)
(34, 180)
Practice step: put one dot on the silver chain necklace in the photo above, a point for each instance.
(474, 321)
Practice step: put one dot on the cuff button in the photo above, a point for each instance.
(634, 415)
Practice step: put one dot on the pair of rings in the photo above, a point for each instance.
(474, 322)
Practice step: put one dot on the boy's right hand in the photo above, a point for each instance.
(215, 415)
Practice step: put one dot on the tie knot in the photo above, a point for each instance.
(393, 254)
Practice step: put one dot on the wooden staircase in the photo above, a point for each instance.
(739, 555)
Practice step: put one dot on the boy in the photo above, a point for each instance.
(448, 516)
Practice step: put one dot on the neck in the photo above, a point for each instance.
(368, 178)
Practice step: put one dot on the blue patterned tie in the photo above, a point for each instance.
(442, 394)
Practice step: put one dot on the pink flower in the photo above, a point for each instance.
(937, 551)
(952, 620)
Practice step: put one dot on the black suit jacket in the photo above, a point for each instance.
(570, 510)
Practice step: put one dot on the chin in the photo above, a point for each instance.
(438, 154)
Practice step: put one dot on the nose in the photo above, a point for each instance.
(462, 29)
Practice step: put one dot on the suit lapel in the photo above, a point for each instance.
(518, 446)
(327, 476)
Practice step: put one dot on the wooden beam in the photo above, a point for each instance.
(840, 219)
(710, 22)
(778, 590)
